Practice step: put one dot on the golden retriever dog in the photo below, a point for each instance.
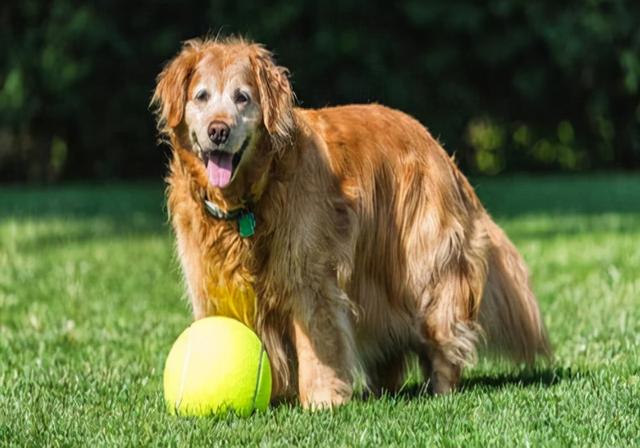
(344, 236)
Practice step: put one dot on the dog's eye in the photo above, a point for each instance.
(202, 95)
(240, 97)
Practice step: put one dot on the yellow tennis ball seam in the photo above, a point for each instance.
(258, 378)
(185, 367)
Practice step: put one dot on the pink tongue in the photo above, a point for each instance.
(219, 168)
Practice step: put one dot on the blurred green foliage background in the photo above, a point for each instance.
(508, 85)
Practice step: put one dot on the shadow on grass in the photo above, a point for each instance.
(560, 195)
(525, 378)
(83, 213)
(99, 229)
(562, 227)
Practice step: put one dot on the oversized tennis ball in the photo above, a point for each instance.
(217, 365)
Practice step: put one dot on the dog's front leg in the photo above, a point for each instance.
(322, 331)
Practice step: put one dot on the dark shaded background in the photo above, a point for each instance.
(509, 85)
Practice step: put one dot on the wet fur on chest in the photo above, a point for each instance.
(210, 249)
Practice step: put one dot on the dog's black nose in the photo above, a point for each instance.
(218, 132)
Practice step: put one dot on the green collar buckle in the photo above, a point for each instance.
(247, 224)
(245, 217)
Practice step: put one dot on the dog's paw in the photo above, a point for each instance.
(325, 399)
(326, 396)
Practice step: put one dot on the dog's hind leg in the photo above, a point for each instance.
(449, 333)
(448, 305)
(444, 356)
(387, 376)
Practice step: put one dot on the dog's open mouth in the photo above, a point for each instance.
(221, 165)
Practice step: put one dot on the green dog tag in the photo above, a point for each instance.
(247, 224)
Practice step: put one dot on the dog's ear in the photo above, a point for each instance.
(276, 96)
(170, 96)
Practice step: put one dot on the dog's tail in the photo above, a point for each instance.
(509, 313)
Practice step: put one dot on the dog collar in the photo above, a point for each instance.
(245, 218)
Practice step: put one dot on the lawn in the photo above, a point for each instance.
(91, 301)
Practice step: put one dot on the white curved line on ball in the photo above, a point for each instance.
(183, 378)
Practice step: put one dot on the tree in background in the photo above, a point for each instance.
(506, 85)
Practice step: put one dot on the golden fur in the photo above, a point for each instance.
(370, 244)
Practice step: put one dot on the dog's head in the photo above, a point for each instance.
(220, 98)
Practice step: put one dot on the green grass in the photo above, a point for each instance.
(91, 301)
